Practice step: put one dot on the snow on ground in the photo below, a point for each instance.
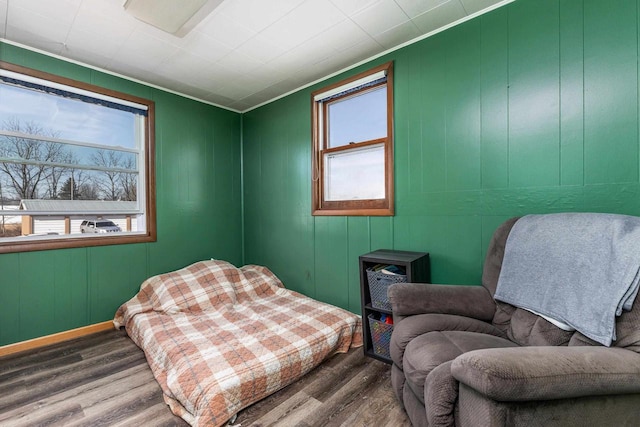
(11, 219)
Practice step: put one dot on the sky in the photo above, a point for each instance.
(357, 173)
(358, 118)
(68, 118)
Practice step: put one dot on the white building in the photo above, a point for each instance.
(61, 216)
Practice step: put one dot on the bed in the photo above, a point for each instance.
(219, 338)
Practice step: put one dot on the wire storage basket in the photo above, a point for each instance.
(379, 281)
(380, 336)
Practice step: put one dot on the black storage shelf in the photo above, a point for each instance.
(416, 266)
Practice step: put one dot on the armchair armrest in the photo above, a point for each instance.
(544, 373)
(418, 298)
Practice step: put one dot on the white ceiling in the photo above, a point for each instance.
(244, 54)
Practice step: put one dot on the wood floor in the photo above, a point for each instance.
(104, 380)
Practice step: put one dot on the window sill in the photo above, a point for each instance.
(353, 212)
(30, 245)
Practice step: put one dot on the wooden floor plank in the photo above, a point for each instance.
(118, 408)
(104, 380)
(56, 351)
(43, 366)
(58, 380)
(375, 405)
(62, 416)
(159, 413)
(344, 397)
(89, 394)
(289, 413)
(315, 384)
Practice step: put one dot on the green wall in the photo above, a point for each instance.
(531, 108)
(198, 217)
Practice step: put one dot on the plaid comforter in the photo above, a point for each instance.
(219, 338)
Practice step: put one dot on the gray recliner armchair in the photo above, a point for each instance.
(462, 358)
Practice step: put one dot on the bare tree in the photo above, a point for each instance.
(35, 173)
(7, 229)
(26, 178)
(57, 173)
(2, 229)
(86, 188)
(108, 181)
(129, 181)
(89, 191)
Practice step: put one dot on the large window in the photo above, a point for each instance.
(353, 145)
(76, 163)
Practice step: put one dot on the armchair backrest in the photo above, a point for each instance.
(526, 328)
(495, 254)
(518, 325)
(628, 328)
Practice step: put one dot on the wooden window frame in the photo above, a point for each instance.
(371, 207)
(150, 235)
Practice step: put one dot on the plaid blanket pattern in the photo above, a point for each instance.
(219, 338)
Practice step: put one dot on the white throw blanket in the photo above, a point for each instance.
(581, 269)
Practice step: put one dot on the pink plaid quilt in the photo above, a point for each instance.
(219, 338)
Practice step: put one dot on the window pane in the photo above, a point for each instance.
(23, 181)
(355, 174)
(21, 147)
(66, 163)
(38, 113)
(362, 117)
(15, 225)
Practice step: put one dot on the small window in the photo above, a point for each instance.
(353, 145)
(73, 156)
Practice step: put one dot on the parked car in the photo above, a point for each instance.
(98, 226)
